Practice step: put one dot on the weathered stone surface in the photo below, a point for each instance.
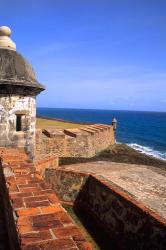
(98, 190)
(18, 90)
(9, 106)
(142, 182)
(16, 71)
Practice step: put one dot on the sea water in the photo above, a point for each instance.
(144, 131)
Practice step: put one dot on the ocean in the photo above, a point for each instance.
(143, 131)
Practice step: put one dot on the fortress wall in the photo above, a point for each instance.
(84, 142)
(49, 142)
(78, 146)
(129, 223)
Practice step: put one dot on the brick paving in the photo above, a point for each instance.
(42, 223)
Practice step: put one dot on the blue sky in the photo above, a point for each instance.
(106, 54)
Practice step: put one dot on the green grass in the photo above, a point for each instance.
(55, 124)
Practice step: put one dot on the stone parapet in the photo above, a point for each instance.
(83, 142)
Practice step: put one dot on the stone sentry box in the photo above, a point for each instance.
(18, 90)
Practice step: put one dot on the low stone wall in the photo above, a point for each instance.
(46, 163)
(67, 184)
(84, 142)
(130, 224)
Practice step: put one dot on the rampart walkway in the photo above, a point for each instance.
(146, 184)
(41, 221)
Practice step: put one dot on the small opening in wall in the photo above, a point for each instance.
(18, 122)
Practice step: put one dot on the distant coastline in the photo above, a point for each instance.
(144, 133)
(122, 153)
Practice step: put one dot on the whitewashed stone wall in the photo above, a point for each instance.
(9, 107)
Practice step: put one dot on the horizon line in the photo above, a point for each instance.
(152, 111)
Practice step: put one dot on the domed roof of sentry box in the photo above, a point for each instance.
(14, 69)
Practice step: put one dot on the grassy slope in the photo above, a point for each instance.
(120, 153)
(55, 124)
(125, 154)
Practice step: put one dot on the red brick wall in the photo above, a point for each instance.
(40, 222)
